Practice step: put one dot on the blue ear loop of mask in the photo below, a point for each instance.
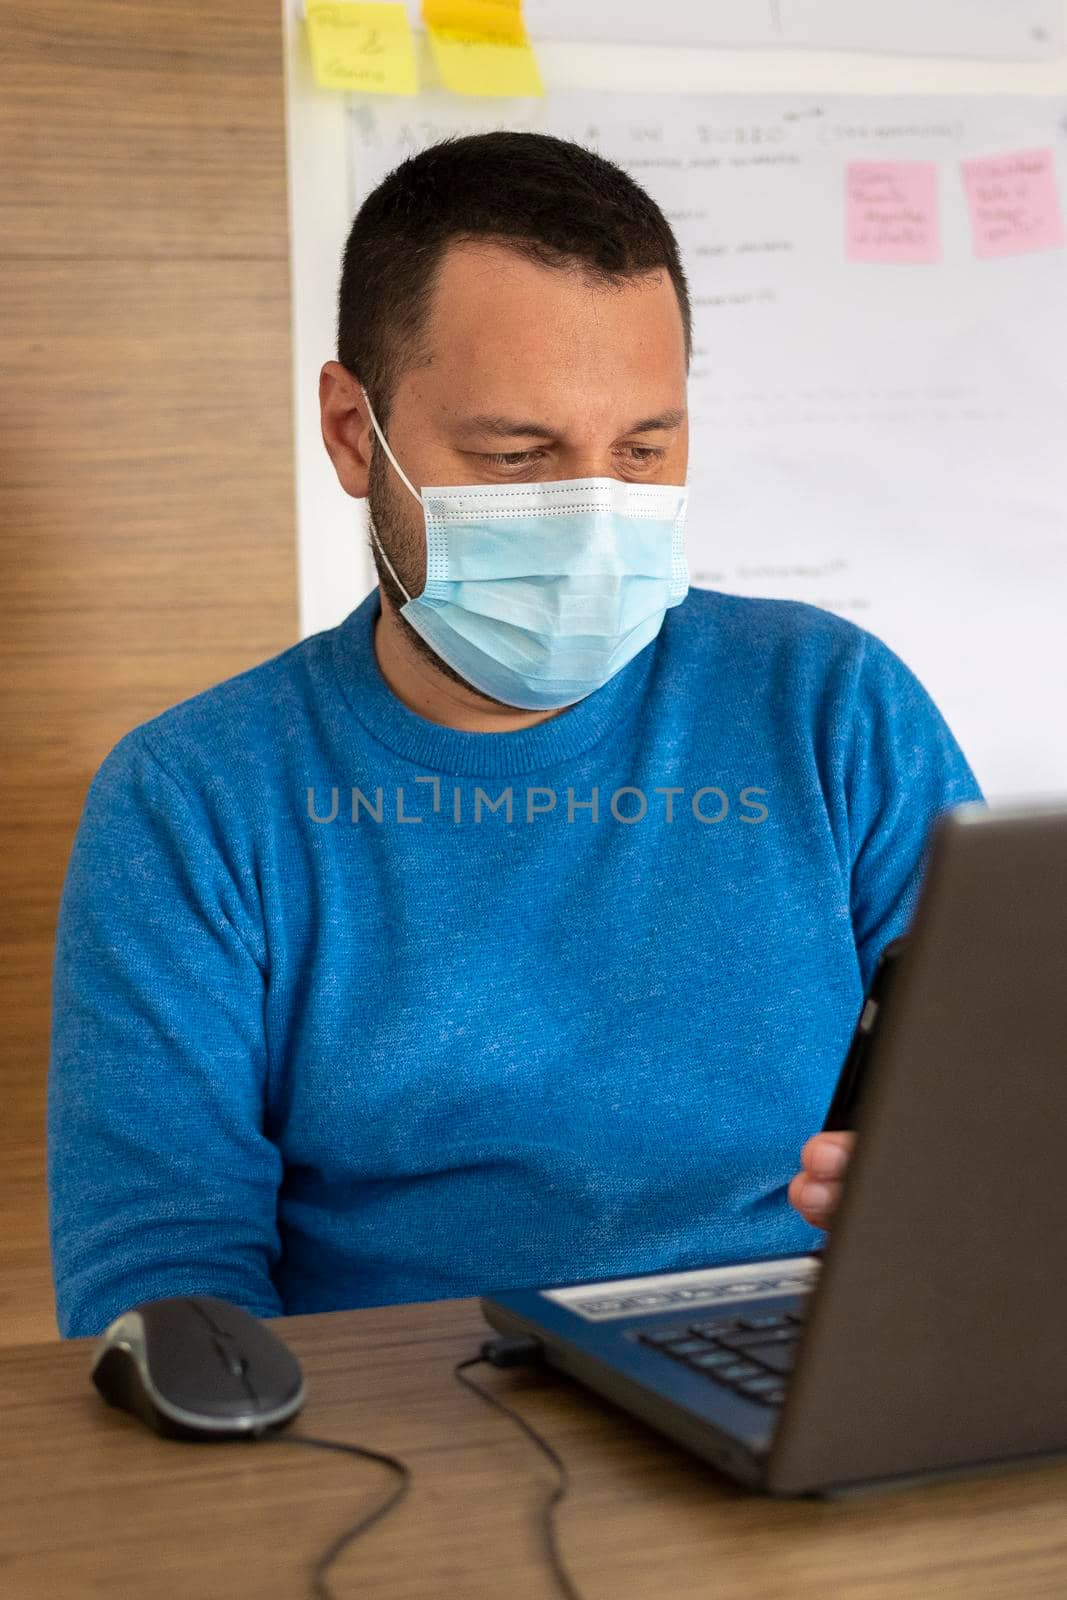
(538, 593)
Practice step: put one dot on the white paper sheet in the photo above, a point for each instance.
(1007, 30)
(885, 440)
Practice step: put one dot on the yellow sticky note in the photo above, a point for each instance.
(469, 64)
(495, 19)
(481, 47)
(364, 47)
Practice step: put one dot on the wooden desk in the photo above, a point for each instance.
(96, 1504)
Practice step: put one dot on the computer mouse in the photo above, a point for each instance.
(196, 1367)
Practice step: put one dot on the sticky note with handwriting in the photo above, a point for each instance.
(891, 211)
(363, 47)
(1014, 203)
(481, 47)
(497, 19)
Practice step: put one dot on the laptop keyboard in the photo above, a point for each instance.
(753, 1355)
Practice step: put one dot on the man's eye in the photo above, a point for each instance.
(512, 458)
(643, 453)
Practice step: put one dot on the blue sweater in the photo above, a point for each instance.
(351, 1008)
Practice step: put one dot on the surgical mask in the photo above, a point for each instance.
(538, 593)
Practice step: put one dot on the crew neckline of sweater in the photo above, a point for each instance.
(432, 744)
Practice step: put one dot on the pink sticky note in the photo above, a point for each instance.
(891, 211)
(1013, 202)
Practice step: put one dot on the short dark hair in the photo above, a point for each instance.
(552, 200)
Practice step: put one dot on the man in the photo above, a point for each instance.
(514, 930)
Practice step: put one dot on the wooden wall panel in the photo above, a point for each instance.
(146, 479)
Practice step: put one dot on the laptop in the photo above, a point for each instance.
(928, 1337)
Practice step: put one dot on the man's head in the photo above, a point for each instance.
(507, 295)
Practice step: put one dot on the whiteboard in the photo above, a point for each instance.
(1019, 30)
(884, 440)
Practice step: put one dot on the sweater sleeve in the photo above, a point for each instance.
(161, 1178)
(905, 768)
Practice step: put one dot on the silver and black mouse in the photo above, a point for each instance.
(195, 1367)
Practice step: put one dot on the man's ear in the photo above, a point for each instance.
(346, 428)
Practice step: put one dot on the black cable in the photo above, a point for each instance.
(502, 1352)
(320, 1589)
(512, 1353)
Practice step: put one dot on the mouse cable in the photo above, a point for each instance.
(501, 1352)
(524, 1350)
(320, 1589)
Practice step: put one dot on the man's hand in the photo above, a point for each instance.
(816, 1189)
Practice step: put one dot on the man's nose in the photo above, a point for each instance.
(589, 463)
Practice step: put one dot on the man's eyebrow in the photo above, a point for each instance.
(514, 427)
